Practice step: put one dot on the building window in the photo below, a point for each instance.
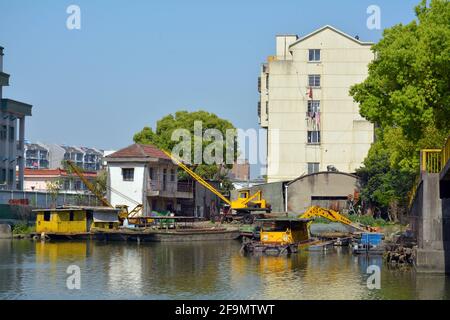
(3, 132)
(128, 174)
(313, 106)
(172, 175)
(67, 184)
(12, 133)
(313, 167)
(77, 185)
(11, 176)
(314, 80)
(314, 55)
(313, 137)
(3, 176)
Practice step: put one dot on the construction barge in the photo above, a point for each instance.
(100, 223)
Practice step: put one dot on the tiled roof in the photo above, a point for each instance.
(139, 151)
(54, 173)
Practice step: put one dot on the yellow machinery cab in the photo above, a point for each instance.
(76, 220)
(283, 231)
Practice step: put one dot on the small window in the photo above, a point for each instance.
(314, 55)
(243, 195)
(47, 215)
(3, 132)
(172, 175)
(12, 133)
(128, 174)
(313, 167)
(11, 176)
(314, 80)
(71, 215)
(152, 173)
(313, 106)
(3, 176)
(313, 137)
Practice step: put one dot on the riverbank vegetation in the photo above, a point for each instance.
(407, 96)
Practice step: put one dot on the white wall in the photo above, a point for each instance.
(132, 189)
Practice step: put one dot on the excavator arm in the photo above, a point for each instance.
(88, 184)
(331, 215)
(198, 178)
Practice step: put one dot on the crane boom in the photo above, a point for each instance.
(88, 184)
(330, 215)
(198, 178)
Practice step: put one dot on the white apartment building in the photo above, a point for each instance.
(312, 122)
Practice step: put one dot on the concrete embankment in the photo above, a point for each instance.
(5, 231)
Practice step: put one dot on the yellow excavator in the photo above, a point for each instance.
(244, 205)
(333, 216)
(123, 214)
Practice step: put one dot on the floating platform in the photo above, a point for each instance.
(170, 235)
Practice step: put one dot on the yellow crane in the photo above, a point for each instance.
(334, 216)
(243, 205)
(124, 213)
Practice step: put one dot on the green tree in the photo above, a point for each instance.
(162, 138)
(408, 81)
(406, 94)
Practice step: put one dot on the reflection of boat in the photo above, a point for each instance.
(368, 249)
(320, 246)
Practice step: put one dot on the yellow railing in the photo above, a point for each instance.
(445, 157)
(431, 160)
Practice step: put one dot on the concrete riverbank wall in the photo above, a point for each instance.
(430, 221)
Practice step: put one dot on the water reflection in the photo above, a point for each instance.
(212, 270)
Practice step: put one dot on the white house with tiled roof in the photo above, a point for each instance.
(143, 174)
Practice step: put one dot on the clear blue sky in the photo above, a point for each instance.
(133, 62)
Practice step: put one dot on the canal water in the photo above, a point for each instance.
(208, 270)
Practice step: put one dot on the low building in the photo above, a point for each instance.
(144, 174)
(12, 119)
(329, 189)
(40, 179)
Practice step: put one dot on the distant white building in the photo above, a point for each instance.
(312, 122)
(51, 156)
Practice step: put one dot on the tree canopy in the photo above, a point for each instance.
(406, 94)
(162, 138)
(408, 81)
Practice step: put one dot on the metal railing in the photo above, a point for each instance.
(445, 157)
(431, 160)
